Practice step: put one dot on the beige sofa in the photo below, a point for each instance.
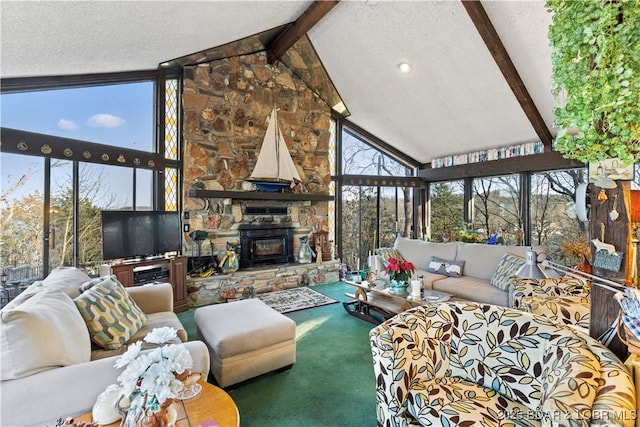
(51, 367)
(485, 275)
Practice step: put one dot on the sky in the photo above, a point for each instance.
(120, 115)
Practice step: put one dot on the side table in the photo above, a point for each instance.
(212, 406)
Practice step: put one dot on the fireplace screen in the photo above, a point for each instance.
(265, 244)
(268, 247)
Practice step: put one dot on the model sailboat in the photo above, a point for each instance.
(274, 169)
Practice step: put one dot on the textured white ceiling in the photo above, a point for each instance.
(455, 100)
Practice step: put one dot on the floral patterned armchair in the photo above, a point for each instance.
(565, 300)
(472, 364)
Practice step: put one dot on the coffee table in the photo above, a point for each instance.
(211, 407)
(376, 304)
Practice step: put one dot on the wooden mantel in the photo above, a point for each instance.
(258, 195)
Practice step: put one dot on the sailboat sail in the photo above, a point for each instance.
(274, 162)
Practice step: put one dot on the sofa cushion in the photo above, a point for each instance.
(449, 268)
(419, 252)
(154, 320)
(472, 289)
(428, 279)
(111, 315)
(68, 279)
(481, 260)
(44, 332)
(505, 272)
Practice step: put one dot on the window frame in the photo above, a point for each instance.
(160, 163)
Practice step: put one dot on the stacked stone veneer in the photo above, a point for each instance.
(251, 282)
(226, 104)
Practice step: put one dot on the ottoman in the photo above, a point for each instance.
(245, 338)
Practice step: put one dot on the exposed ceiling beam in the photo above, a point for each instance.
(552, 160)
(303, 24)
(488, 33)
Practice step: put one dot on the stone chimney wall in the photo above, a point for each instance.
(226, 104)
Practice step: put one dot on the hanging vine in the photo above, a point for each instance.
(596, 67)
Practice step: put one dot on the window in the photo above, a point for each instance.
(554, 223)
(447, 210)
(361, 158)
(21, 214)
(496, 203)
(120, 115)
(377, 199)
(114, 115)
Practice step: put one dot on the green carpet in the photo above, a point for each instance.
(332, 381)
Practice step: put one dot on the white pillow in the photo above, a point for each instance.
(68, 279)
(44, 332)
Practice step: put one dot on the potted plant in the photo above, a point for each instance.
(596, 46)
(400, 272)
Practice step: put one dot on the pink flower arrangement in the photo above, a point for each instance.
(399, 270)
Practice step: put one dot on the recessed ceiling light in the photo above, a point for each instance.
(404, 67)
(372, 3)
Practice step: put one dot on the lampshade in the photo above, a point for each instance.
(530, 269)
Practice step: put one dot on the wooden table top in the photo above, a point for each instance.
(210, 408)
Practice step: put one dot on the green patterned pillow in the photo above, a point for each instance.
(386, 253)
(507, 269)
(110, 313)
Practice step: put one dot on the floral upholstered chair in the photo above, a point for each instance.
(565, 300)
(467, 364)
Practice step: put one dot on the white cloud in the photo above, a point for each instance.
(67, 124)
(105, 120)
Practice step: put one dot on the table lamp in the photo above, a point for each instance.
(530, 269)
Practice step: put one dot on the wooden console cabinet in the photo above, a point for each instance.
(172, 270)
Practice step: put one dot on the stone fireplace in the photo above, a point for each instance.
(226, 104)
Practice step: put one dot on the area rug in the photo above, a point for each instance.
(295, 299)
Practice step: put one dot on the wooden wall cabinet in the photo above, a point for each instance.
(172, 270)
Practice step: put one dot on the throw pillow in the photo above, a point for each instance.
(68, 279)
(386, 253)
(110, 313)
(44, 332)
(446, 267)
(507, 268)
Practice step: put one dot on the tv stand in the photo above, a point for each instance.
(172, 270)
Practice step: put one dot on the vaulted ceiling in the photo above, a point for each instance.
(457, 98)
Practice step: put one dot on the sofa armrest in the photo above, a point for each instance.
(403, 358)
(565, 286)
(42, 398)
(153, 298)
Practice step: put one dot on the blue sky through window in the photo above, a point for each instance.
(119, 115)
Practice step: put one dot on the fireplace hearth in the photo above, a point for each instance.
(263, 244)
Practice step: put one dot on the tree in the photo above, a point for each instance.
(22, 230)
(22, 222)
(446, 210)
(364, 226)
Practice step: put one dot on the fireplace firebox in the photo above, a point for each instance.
(262, 244)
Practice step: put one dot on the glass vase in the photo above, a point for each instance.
(398, 287)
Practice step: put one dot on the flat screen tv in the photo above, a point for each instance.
(140, 234)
